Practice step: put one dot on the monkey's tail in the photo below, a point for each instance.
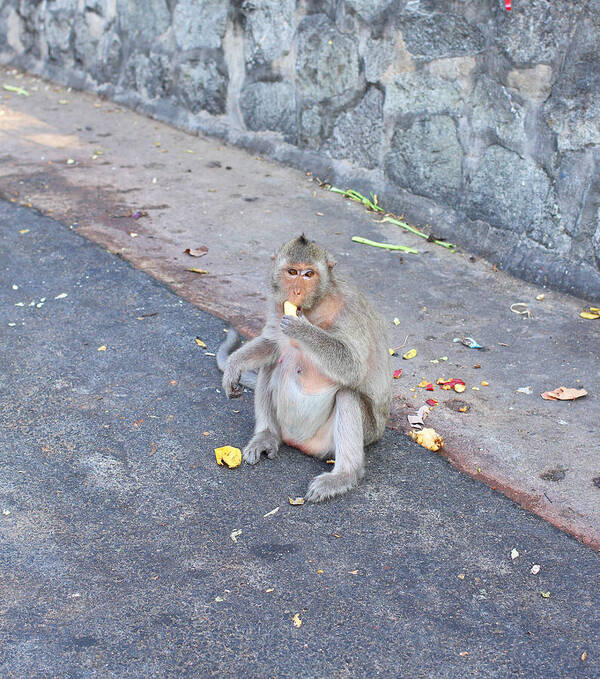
(228, 346)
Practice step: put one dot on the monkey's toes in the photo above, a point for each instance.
(330, 484)
(251, 454)
(265, 442)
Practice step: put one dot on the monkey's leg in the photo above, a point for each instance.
(349, 450)
(267, 434)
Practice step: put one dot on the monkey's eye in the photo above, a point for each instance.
(309, 273)
(293, 272)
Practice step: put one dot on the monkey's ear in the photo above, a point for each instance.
(274, 256)
(331, 263)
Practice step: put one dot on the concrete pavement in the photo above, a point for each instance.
(126, 552)
(97, 167)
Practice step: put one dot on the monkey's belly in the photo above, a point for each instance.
(318, 445)
(306, 419)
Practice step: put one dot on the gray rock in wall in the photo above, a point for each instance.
(441, 35)
(85, 46)
(27, 27)
(58, 19)
(426, 157)
(90, 39)
(507, 191)
(596, 239)
(327, 64)
(369, 9)
(533, 83)
(110, 57)
(5, 11)
(497, 114)
(572, 184)
(537, 33)
(270, 106)
(378, 57)
(574, 110)
(270, 26)
(143, 21)
(202, 83)
(311, 127)
(358, 135)
(158, 81)
(200, 23)
(149, 75)
(419, 93)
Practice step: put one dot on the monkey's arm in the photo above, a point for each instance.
(253, 355)
(336, 355)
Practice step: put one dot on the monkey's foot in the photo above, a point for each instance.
(263, 442)
(329, 484)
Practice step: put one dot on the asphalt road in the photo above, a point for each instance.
(120, 554)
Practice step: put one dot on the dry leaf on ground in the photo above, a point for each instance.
(564, 394)
(196, 252)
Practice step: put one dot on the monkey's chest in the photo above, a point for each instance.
(296, 368)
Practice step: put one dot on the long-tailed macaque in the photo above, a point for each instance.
(324, 377)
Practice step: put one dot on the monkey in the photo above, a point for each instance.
(322, 378)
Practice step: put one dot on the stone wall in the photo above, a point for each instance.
(482, 123)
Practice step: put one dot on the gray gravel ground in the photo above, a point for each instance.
(116, 555)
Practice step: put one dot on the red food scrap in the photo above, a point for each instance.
(450, 384)
(397, 373)
(431, 402)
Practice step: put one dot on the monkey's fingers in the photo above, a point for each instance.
(289, 324)
(236, 391)
(232, 389)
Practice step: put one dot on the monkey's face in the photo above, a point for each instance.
(301, 283)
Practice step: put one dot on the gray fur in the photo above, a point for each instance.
(352, 353)
(349, 450)
(231, 342)
(267, 434)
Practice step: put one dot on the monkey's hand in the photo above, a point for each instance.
(295, 327)
(231, 381)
